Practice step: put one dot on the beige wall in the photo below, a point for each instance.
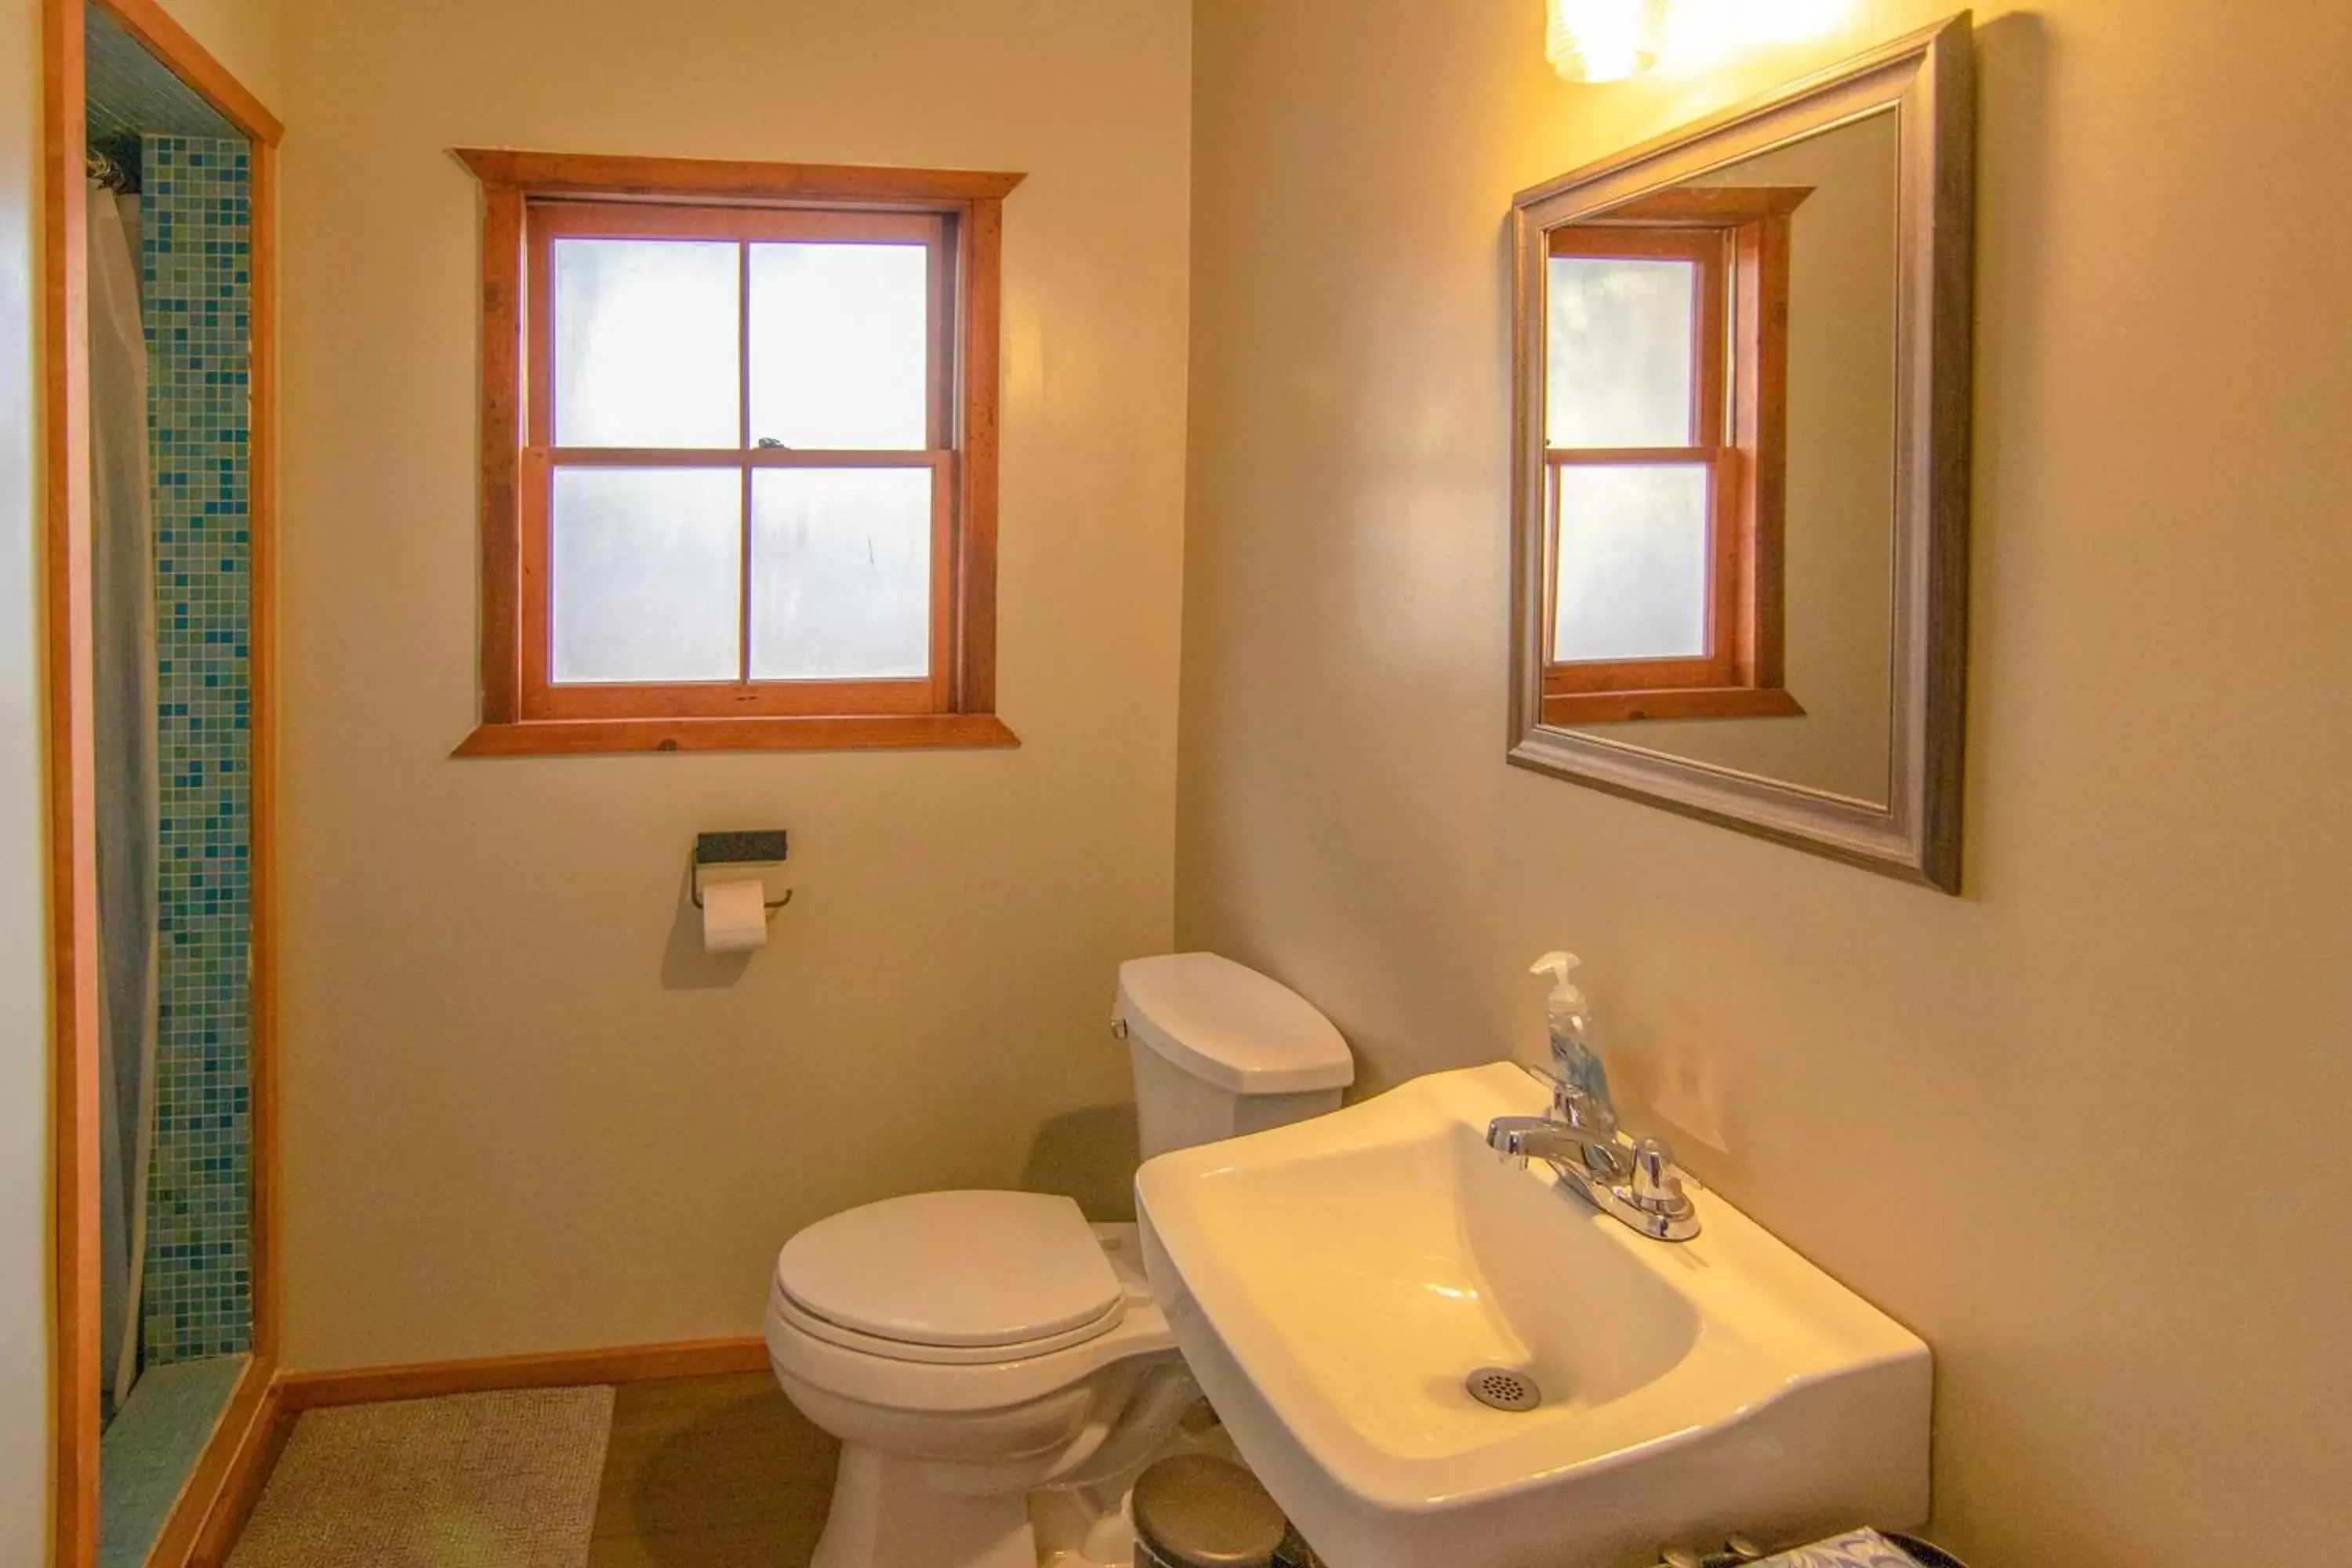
(521, 1112)
(2082, 1129)
(245, 36)
(25, 1331)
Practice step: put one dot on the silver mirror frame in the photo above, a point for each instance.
(1926, 79)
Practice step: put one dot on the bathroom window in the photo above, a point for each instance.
(1665, 396)
(739, 446)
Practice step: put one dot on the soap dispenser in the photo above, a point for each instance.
(1576, 1064)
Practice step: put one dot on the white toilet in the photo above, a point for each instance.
(970, 1348)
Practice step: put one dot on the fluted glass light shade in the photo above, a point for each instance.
(1602, 40)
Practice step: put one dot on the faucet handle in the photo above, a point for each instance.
(1657, 1185)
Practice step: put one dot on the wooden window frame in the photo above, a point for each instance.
(530, 200)
(1737, 239)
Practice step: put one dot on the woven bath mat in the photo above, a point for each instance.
(473, 1480)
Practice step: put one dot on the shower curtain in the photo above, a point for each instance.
(122, 624)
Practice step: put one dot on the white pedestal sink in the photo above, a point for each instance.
(1332, 1283)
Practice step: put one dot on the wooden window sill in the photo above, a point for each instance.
(829, 732)
(1694, 702)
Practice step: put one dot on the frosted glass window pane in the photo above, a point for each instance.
(841, 573)
(645, 347)
(647, 568)
(1632, 563)
(1620, 357)
(839, 350)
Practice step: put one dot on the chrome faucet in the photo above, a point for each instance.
(1634, 1180)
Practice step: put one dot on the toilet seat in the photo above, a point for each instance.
(807, 1348)
(791, 1309)
(953, 1277)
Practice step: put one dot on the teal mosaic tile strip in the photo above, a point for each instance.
(195, 227)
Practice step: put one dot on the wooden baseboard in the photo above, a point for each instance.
(560, 1369)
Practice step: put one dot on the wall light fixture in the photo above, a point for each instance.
(1602, 40)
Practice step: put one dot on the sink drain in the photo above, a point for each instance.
(1502, 1388)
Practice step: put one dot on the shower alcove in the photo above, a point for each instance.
(160, 442)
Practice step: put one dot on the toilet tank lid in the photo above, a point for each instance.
(1230, 1025)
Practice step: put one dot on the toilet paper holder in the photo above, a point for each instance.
(757, 849)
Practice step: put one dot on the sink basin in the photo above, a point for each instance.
(1333, 1282)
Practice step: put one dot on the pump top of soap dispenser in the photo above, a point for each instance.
(1565, 1000)
(1574, 1061)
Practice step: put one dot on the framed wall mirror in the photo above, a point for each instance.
(1741, 490)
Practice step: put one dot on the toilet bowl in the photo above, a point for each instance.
(970, 1348)
(945, 1435)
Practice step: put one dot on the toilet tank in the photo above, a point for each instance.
(1220, 1051)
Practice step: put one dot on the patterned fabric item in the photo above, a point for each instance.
(106, 169)
(1862, 1549)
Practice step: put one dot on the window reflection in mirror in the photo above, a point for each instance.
(1720, 429)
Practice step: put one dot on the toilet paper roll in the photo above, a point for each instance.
(734, 915)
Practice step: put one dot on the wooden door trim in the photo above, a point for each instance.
(220, 1472)
(72, 837)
